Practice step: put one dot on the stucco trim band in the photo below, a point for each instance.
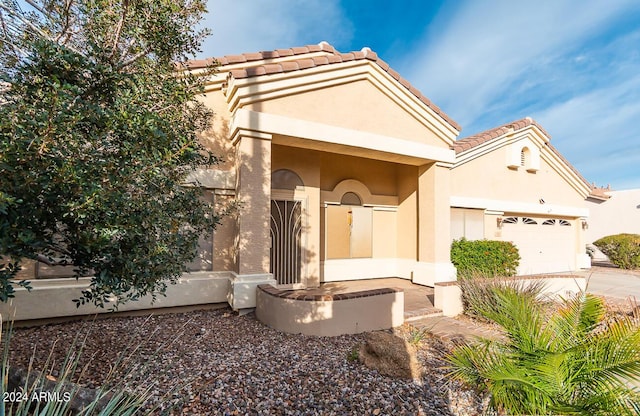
(515, 206)
(413, 152)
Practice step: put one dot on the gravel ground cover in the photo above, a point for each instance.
(218, 363)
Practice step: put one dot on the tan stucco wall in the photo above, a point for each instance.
(384, 231)
(434, 214)
(225, 254)
(254, 195)
(356, 105)
(379, 177)
(407, 228)
(216, 139)
(619, 214)
(331, 318)
(489, 177)
(54, 297)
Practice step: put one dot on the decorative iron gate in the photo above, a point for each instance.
(286, 242)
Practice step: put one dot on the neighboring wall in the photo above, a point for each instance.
(619, 214)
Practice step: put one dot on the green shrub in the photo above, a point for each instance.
(479, 293)
(622, 249)
(571, 360)
(484, 257)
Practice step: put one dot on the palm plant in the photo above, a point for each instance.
(569, 361)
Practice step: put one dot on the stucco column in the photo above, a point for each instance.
(434, 228)
(253, 192)
(583, 261)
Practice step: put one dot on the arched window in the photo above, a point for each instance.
(350, 198)
(285, 179)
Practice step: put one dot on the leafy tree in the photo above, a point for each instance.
(571, 361)
(97, 138)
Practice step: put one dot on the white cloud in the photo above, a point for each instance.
(598, 132)
(474, 57)
(255, 25)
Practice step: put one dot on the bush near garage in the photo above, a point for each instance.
(623, 250)
(484, 257)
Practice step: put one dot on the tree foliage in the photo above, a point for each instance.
(98, 132)
(571, 361)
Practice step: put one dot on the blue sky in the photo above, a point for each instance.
(574, 66)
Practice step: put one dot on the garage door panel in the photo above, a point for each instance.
(544, 247)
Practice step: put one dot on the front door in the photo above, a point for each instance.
(286, 242)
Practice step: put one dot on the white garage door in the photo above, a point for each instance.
(546, 245)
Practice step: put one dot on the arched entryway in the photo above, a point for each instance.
(286, 256)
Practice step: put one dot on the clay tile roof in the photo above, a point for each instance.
(255, 56)
(289, 66)
(382, 64)
(238, 73)
(488, 135)
(270, 54)
(271, 68)
(305, 63)
(477, 139)
(255, 71)
(333, 57)
(349, 56)
(325, 46)
(320, 60)
(284, 52)
(236, 59)
(600, 192)
(369, 54)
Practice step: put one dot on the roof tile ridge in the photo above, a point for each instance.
(249, 57)
(334, 57)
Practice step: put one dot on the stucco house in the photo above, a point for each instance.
(343, 171)
(612, 212)
(509, 183)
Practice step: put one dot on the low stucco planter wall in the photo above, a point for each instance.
(53, 298)
(329, 315)
(448, 296)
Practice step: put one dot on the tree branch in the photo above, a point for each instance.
(35, 6)
(134, 58)
(25, 22)
(67, 22)
(33, 27)
(116, 36)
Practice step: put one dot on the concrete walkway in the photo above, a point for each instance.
(453, 329)
(613, 282)
(420, 312)
(603, 281)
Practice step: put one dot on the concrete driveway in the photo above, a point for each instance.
(608, 281)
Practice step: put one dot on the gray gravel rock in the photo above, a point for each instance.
(218, 363)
